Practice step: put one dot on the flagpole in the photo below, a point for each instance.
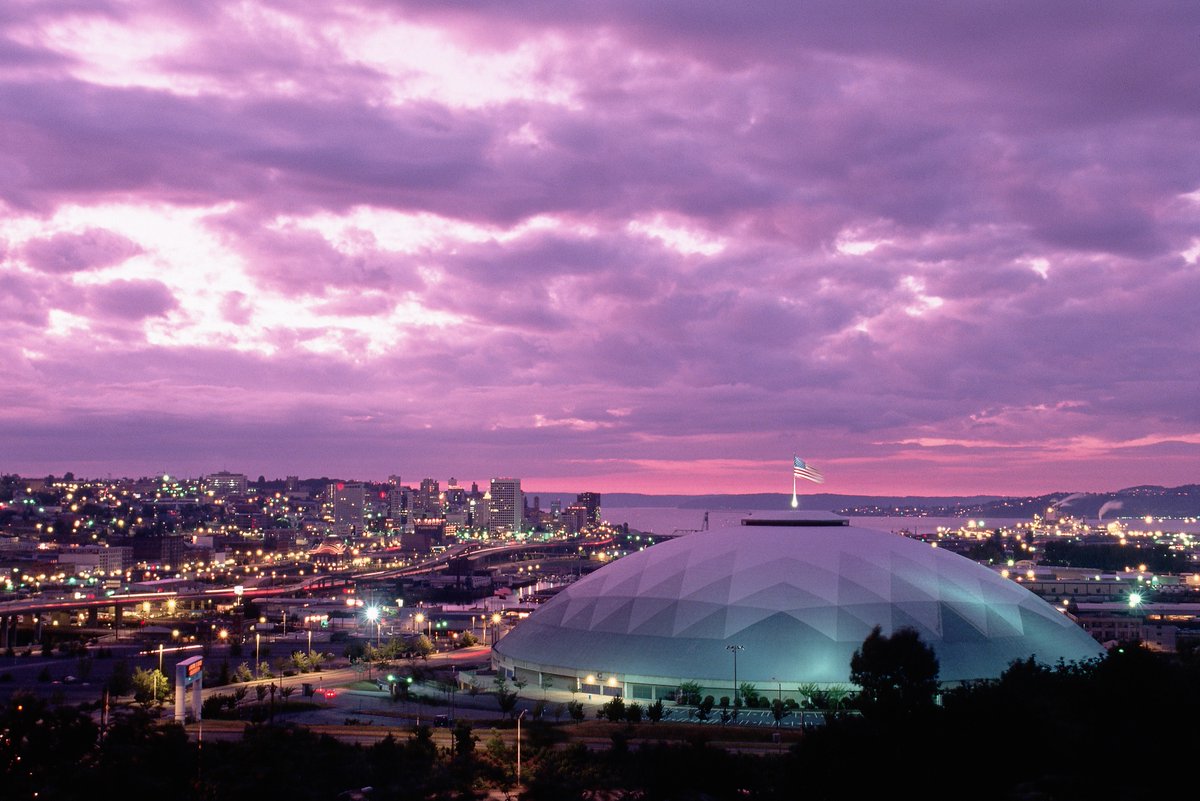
(795, 500)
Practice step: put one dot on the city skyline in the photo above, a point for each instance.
(933, 249)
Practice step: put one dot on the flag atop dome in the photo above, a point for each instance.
(801, 469)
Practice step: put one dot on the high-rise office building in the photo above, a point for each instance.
(505, 506)
(590, 500)
(223, 484)
(428, 500)
(348, 508)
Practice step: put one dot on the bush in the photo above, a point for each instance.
(214, 706)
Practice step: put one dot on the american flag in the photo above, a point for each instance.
(802, 469)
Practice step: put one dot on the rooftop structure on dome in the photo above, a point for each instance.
(798, 591)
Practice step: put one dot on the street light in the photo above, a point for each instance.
(256, 657)
(419, 619)
(519, 746)
(373, 617)
(495, 626)
(734, 650)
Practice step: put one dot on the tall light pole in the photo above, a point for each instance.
(373, 617)
(256, 657)
(519, 746)
(734, 650)
(495, 627)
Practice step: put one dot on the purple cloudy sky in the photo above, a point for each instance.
(939, 247)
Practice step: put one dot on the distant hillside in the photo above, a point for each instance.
(777, 500)
(1137, 501)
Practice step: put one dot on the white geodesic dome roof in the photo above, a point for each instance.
(799, 592)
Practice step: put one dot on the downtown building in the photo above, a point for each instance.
(506, 506)
(223, 484)
(349, 508)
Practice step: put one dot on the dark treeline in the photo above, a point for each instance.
(1121, 728)
(1115, 558)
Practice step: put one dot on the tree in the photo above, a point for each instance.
(286, 692)
(468, 639)
(654, 712)
(464, 740)
(121, 680)
(575, 710)
(613, 711)
(505, 698)
(422, 647)
(689, 693)
(898, 674)
(501, 758)
(778, 711)
(149, 686)
(547, 684)
(301, 662)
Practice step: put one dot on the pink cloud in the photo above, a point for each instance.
(78, 252)
(919, 244)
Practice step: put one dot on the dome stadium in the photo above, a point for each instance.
(790, 596)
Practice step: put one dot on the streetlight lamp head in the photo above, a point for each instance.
(372, 613)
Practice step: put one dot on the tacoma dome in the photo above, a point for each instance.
(790, 596)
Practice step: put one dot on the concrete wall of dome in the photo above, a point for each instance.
(798, 592)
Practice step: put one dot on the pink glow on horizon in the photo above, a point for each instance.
(937, 249)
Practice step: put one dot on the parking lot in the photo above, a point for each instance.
(794, 719)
